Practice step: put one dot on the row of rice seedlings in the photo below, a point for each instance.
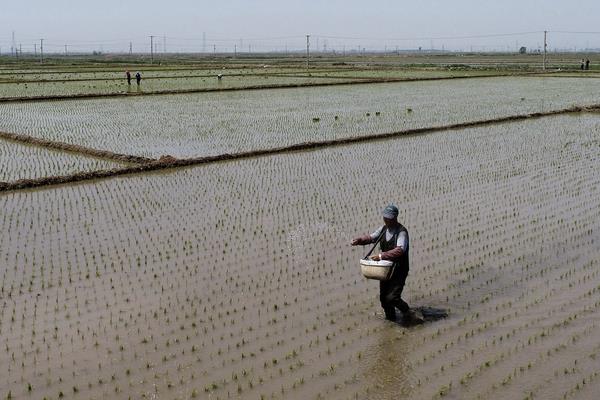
(19, 161)
(65, 88)
(216, 281)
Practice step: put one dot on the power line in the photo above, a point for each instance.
(277, 43)
(576, 33)
(217, 39)
(432, 37)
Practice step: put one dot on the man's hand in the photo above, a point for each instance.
(376, 257)
(355, 242)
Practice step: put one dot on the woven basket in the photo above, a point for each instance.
(379, 270)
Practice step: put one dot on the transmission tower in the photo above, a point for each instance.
(307, 51)
(151, 49)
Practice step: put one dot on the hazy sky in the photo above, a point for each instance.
(112, 24)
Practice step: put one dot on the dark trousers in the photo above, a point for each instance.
(390, 294)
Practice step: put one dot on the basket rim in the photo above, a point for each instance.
(373, 263)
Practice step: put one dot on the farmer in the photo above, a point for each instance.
(587, 64)
(394, 247)
(128, 75)
(138, 78)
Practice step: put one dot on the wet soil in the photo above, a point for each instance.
(236, 280)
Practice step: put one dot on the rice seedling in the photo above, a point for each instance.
(121, 279)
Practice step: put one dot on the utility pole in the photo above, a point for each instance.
(35, 50)
(41, 51)
(151, 49)
(204, 42)
(234, 50)
(545, 48)
(130, 48)
(214, 49)
(164, 43)
(66, 52)
(307, 51)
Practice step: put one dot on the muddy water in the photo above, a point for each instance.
(235, 280)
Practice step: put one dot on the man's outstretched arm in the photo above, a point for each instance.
(366, 239)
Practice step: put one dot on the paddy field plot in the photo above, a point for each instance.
(82, 73)
(19, 161)
(193, 125)
(236, 279)
(112, 86)
(31, 84)
(32, 75)
(412, 73)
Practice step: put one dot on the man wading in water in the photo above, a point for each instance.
(394, 247)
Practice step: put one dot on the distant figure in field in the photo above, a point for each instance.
(220, 76)
(582, 64)
(587, 64)
(128, 75)
(138, 78)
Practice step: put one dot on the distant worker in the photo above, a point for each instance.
(394, 247)
(582, 64)
(128, 75)
(220, 76)
(587, 64)
(138, 78)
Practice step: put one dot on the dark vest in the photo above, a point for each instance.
(386, 245)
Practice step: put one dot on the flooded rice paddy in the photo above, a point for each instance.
(236, 279)
(201, 124)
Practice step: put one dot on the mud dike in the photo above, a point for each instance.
(144, 165)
